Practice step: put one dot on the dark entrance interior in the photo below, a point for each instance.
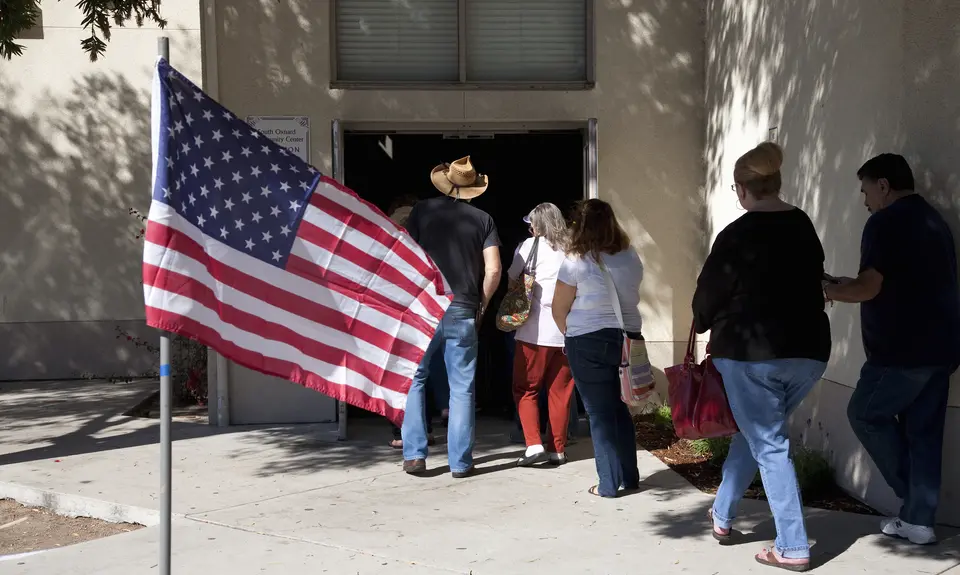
(524, 169)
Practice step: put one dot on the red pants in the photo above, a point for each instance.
(537, 367)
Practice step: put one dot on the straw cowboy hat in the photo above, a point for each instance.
(459, 180)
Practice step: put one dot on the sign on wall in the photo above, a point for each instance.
(291, 132)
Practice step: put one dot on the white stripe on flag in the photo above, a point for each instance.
(363, 210)
(184, 265)
(353, 272)
(164, 214)
(338, 375)
(374, 249)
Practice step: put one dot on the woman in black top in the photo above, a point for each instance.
(760, 295)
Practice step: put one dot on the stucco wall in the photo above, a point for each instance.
(839, 82)
(75, 157)
(274, 58)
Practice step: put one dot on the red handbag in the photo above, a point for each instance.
(698, 402)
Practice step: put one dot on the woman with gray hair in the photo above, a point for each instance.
(539, 362)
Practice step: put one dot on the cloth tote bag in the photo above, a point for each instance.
(636, 373)
(515, 307)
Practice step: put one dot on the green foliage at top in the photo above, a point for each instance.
(99, 16)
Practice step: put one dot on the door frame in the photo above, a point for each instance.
(591, 160)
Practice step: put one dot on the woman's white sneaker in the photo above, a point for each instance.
(916, 534)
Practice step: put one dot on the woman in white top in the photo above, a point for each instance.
(584, 311)
(539, 362)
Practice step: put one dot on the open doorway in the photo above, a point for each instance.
(524, 169)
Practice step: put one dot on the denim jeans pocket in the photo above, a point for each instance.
(464, 331)
(601, 349)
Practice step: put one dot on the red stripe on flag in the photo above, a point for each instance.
(335, 245)
(176, 240)
(335, 282)
(437, 279)
(176, 323)
(189, 287)
(378, 234)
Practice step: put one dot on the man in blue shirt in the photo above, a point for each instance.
(910, 322)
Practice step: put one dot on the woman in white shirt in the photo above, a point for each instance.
(584, 311)
(539, 362)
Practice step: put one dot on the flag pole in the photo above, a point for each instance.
(166, 396)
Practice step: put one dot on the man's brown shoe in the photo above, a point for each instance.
(414, 466)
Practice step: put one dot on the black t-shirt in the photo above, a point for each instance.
(454, 234)
(760, 290)
(915, 319)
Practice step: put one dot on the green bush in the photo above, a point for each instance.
(662, 417)
(814, 473)
(716, 448)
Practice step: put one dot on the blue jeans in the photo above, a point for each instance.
(898, 415)
(762, 395)
(595, 363)
(456, 338)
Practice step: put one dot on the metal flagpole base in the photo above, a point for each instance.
(166, 400)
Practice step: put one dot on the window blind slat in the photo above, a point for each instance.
(397, 40)
(526, 41)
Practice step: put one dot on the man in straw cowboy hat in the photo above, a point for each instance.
(463, 242)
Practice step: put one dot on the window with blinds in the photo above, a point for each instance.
(498, 41)
(397, 40)
(526, 41)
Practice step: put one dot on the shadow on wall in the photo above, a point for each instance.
(69, 243)
(660, 88)
(804, 69)
(931, 110)
(840, 82)
(814, 77)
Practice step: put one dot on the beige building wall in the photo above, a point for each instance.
(274, 58)
(836, 83)
(75, 157)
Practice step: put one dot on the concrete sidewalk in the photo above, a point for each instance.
(292, 499)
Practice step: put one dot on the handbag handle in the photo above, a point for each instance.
(531, 258)
(691, 343)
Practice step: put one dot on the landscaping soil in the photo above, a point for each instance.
(24, 529)
(705, 474)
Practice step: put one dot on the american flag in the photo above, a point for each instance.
(253, 252)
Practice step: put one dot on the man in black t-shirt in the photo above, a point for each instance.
(462, 240)
(910, 321)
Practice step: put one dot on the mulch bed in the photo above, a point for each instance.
(24, 529)
(705, 474)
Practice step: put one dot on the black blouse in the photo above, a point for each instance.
(760, 293)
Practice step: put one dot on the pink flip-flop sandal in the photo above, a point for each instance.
(771, 558)
(721, 537)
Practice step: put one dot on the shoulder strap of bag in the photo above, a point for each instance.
(531, 263)
(612, 290)
(690, 356)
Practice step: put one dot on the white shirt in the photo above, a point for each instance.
(592, 308)
(539, 329)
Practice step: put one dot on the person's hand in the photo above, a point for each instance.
(827, 287)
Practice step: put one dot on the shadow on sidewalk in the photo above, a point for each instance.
(831, 533)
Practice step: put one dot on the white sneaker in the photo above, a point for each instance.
(916, 534)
